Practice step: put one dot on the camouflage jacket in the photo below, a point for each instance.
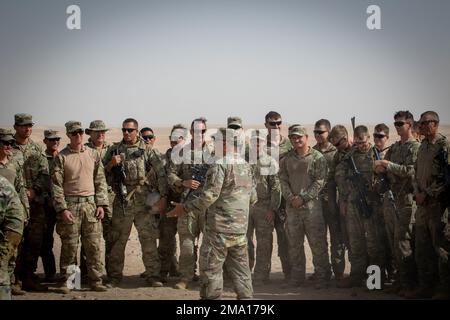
(103, 151)
(268, 188)
(181, 168)
(430, 166)
(283, 148)
(139, 160)
(11, 210)
(226, 196)
(31, 157)
(400, 171)
(14, 174)
(303, 176)
(329, 156)
(58, 179)
(336, 176)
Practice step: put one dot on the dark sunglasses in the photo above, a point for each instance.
(427, 122)
(399, 123)
(274, 123)
(6, 143)
(77, 133)
(378, 136)
(129, 130)
(234, 127)
(319, 132)
(149, 137)
(54, 139)
(339, 142)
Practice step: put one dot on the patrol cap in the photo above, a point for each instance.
(297, 129)
(96, 125)
(23, 119)
(6, 135)
(72, 126)
(234, 123)
(51, 134)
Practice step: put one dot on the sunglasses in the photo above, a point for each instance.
(427, 122)
(129, 130)
(76, 133)
(319, 132)
(54, 139)
(339, 142)
(274, 123)
(378, 136)
(399, 123)
(149, 137)
(6, 143)
(234, 127)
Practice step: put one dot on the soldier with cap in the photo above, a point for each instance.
(322, 130)
(12, 171)
(148, 136)
(134, 161)
(80, 195)
(302, 175)
(31, 156)
(97, 141)
(262, 213)
(225, 198)
(278, 147)
(11, 228)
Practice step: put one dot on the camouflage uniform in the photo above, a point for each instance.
(400, 172)
(332, 220)
(70, 167)
(34, 162)
(269, 198)
(189, 225)
(304, 176)
(138, 160)
(363, 234)
(11, 228)
(168, 229)
(430, 179)
(280, 217)
(226, 200)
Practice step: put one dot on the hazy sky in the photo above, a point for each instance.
(164, 62)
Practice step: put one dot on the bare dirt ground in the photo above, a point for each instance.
(134, 288)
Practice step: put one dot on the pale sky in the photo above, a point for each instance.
(164, 62)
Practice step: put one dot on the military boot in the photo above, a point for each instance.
(29, 284)
(16, 289)
(154, 282)
(182, 284)
(98, 287)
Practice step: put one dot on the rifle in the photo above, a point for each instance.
(119, 187)
(385, 184)
(198, 174)
(358, 184)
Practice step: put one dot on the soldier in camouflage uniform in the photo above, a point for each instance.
(31, 156)
(398, 164)
(136, 160)
(51, 141)
(431, 195)
(362, 227)
(302, 176)
(226, 199)
(11, 228)
(80, 196)
(261, 217)
(168, 225)
(278, 146)
(329, 208)
(195, 155)
(97, 132)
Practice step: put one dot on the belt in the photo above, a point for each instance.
(75, 199)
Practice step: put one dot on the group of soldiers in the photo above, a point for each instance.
(385, 205)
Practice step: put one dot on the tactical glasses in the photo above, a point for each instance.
(427, 122)
(274, 123)
(149, 137)
(54, 139)
(319, 132)
(378, 136)
(75, 133)
(399, 123)
(6, 143)
(339, 142)
(129, 130)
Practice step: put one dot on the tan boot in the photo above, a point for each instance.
(181, 285)
(17, 291)
(98, 287)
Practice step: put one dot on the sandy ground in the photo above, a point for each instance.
(134, 288)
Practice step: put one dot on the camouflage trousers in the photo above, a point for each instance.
(229, 250)
(307, 221)
(337, 246)
(189, 227)
(48, 258)
(401, 237)
(429, 236)
(147, 227)
(89, 228)
(8, 254)
(385, 247)
(33, 236)
(167, 247)
(282, 241)
(258, 223)
(365, 244)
